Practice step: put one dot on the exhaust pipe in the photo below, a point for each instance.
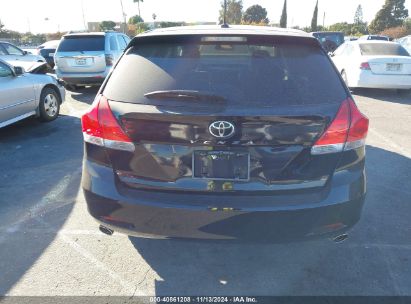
(340, 238)
(106, 230)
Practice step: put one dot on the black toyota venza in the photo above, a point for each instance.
(224, 133)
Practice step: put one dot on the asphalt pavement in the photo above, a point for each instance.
(49, 245)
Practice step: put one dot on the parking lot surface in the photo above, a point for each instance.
(49, 245)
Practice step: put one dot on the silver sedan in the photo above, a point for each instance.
(24, 94)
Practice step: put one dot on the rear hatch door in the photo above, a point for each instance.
(278, 96)
(390, 65)
(82, 53)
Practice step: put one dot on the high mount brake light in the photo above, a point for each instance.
(347, 131)
(101, 128)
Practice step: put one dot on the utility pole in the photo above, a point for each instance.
(224, 16)
(324, 20)
(84, 18)
(124, 16)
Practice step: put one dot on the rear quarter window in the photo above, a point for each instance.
(257, 72)
(81, 44)
(113, 43)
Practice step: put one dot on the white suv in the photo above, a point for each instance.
(87, 58)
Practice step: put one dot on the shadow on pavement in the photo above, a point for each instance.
(373, 261)
(39, 181)
(85, 95)
(393, 96)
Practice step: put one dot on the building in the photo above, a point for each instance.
(95, 26)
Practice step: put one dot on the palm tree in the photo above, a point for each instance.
(138, 3)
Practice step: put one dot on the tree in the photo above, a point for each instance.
(407, 25)
(392, 14)
(395, 32)
(135, 19)
(255, 14)
(107, 25)
(358, 17)
(1, 26)
(141, 27)
(359, 29)
(54, 36)
(234, 11)
(349, 29)
(138, 5)
(170, 24)
(283, 20)
(315, 18)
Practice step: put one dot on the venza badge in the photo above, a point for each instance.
(222, 129)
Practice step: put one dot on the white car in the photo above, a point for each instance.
(406, 43)
(17, 57)
(28, 94)
(373, 64)
(374, 37)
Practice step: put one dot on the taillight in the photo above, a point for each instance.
(365, 66)
(101, 128)
(109, 59)
(358, 128)
(347, 131)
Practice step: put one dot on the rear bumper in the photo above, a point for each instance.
(366, 79)
(82, 78)
(184, 215)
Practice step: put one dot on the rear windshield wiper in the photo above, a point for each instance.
(184, 95)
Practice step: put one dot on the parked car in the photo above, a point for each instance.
(374, 64)
(16, 56)
(212, 132)
(329, 40)
(350, 38)
(375, 37)
(86, 58)
(406, 43)
(47, 51)
(28, 94)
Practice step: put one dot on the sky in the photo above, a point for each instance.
(43, 16)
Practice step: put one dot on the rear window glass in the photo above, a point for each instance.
(247, 73)
(78, 44)
(382, 49)
(338, 38)
(378, 38)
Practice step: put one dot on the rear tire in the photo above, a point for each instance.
(49, 105)
(72, 87)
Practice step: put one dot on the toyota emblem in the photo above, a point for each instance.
(222, 129)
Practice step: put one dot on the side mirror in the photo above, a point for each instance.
(18, 71)
(25, 53)
(331, 54)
